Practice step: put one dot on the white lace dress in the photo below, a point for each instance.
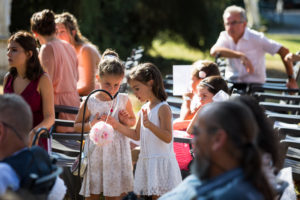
(109, 167)
(157, 170)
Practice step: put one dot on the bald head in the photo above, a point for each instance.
(15, 112)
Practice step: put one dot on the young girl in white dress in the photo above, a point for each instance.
(109, 169)
(157, 170)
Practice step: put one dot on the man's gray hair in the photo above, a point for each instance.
(16, 112)
(236, 9)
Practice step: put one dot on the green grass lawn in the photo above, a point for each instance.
(167, 53)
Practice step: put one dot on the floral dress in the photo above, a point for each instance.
(109, 169)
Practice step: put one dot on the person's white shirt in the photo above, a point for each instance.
(8, 178)
(254, 44)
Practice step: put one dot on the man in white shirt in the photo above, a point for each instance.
(246, 48)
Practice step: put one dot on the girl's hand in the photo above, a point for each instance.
(124, 117)
(188, 96)
(95, 120)
(146, 121)
(110, 120)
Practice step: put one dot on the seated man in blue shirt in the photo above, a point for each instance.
(17, 161)
(227, 162)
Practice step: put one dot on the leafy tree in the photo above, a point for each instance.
(122, 25)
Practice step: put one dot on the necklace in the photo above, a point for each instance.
(111, 110)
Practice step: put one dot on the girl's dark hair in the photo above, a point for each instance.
(241, 128)
(267, 139)
(33, 65)
(214, 84)
(43, 22)
(146, 72)
(210, 68)
(110, 64)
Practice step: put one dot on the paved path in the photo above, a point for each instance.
(287, 22)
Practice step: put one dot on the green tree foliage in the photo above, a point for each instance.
(22, 10)
(122, 25)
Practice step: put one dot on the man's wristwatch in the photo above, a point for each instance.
(291, 77)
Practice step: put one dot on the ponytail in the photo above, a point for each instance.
(251, 164)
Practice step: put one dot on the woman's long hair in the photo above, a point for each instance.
(33, 65)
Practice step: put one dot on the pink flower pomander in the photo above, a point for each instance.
(102, 133)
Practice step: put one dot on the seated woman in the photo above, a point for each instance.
(27, 78)
(210, 89)
(87, 54)
(201, 69)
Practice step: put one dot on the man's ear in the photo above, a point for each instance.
(219, 140)
(245, 24)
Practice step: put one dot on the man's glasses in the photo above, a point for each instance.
(233, 23)
(14, 130)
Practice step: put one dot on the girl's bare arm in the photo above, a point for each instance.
(164, 131)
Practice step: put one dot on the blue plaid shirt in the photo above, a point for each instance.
(230, 185)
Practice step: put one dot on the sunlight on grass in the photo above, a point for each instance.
(292, 42)
(274, 63)
(175, 50)
(136, 104)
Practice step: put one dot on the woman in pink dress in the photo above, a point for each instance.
(27, 78)
(60, 61)
(87, 53)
